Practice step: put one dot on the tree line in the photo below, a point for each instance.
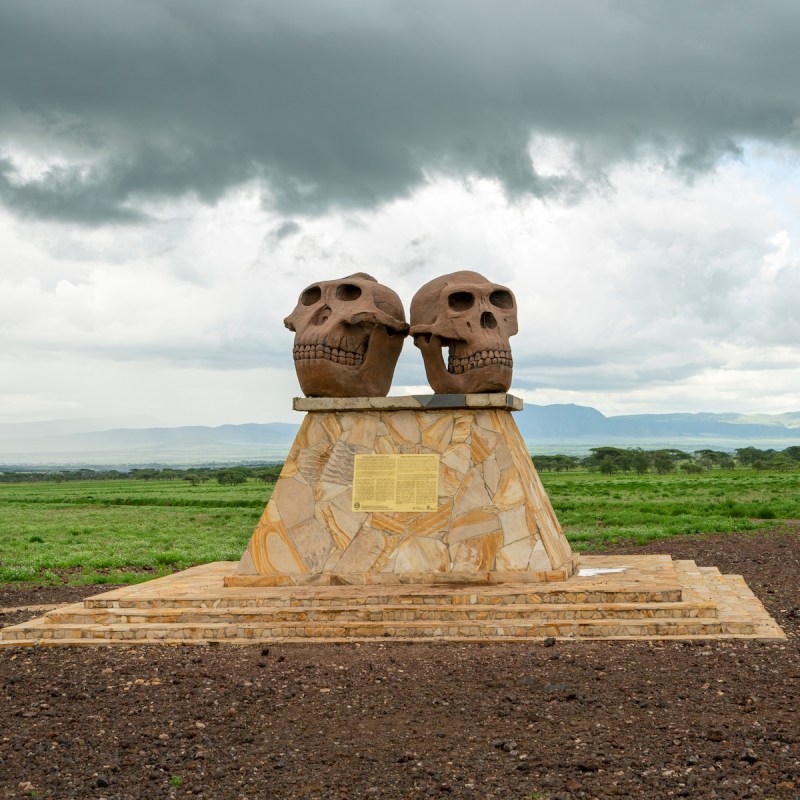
(231, 475)
(608, 460)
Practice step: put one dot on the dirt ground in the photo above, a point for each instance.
(528, 721)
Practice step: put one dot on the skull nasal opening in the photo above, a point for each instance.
(488, 320)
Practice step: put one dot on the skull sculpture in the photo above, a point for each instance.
(348, 337)
(474, 319)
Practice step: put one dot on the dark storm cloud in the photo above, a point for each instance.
(284, 230)
(352, 104)
(68, 193)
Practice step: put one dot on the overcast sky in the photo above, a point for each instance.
(172, 174)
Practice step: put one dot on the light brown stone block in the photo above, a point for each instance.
(392, 523)
(433, 524)
(472, 493)
(421, 554)
(361, 555)
(476, 522)
(491, 474)
(457, 457)
(402, 427)
(438, 435)
(363, 430)
(343, 525)
(483, 444)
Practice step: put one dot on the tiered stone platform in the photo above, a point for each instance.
(611, 597)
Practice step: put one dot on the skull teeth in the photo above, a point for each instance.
(482, 358)
(308, 352)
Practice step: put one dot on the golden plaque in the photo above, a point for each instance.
(402, 482)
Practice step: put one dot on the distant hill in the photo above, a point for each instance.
(565, 428)
(189, 445)
(565, 422)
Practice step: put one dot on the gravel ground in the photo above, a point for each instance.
(527, 721)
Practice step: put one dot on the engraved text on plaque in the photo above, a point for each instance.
(402, 482)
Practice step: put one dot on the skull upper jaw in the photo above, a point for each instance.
(324, 377)
(467, 372)
(492, 378)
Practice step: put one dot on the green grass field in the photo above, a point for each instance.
(594, 509)
(109, 531)
(118, 526)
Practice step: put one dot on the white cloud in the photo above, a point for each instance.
(658, 296)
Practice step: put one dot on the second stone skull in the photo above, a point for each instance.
(348, 337)
(474, 319)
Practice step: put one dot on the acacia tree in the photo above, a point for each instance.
(641, 461)
(232, 477)
(747, 456)
(607, 466)
(558, 462)
(662, 461)
(793, 452)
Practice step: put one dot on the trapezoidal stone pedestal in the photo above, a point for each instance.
(491, 521)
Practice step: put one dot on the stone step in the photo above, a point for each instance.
(636, 579)
(79, 614)
(695, 587)
(399, 596)
(357, 630)
(185, 612)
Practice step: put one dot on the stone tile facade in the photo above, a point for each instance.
(494, 522)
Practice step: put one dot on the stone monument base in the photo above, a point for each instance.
(611, 597)
(485, 518)
(488, 562)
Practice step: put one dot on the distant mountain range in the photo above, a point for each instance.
(120, 447)
(563, 422)
(546, 429)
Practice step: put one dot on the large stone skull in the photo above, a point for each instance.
(474, 319)
(348, 337)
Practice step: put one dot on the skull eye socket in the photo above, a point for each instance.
(461, 301)
(348, 292)
(501, 298)
(311, 295)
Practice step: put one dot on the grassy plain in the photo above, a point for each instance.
(129, 530)
(107, 531)
(597, 509)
